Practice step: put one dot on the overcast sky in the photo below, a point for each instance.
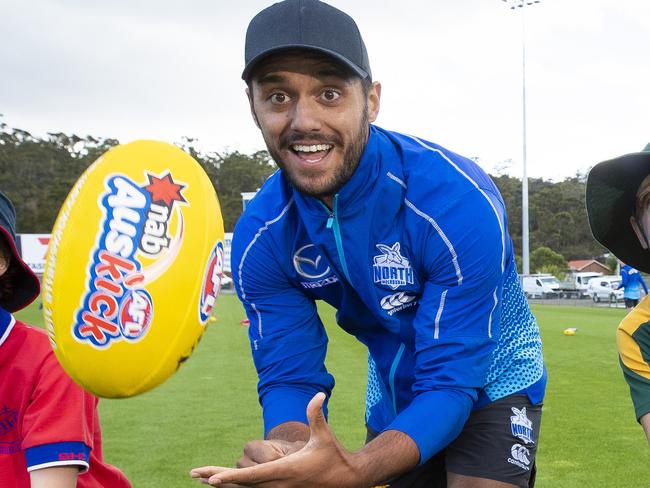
(451, 72)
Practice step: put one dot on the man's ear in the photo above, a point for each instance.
(639, 233)
(374, 99)
(252, 106)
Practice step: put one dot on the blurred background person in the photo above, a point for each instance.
(632, 281)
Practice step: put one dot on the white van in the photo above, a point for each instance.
(540, 285)
(605, 288)
(581, 281)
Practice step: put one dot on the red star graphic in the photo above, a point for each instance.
(164, 189)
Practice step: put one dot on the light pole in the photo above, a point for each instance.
(525, 256)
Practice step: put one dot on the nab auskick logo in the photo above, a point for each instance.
(116, 304)
(390, 268)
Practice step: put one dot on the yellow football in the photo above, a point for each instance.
(133, 268)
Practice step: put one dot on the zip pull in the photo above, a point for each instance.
(330, 221)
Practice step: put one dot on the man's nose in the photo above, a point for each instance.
(305, 116)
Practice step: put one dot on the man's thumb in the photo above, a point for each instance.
(315, 415)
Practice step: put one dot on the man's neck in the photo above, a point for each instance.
(328, 201)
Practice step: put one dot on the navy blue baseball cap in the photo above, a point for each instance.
(26, 285)
(305, 24)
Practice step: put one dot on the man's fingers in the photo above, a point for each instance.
(204, 471)
(260, 473)
(261, 452)
(203, 475)
(315, 415)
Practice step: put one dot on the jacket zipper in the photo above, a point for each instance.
(333, 224)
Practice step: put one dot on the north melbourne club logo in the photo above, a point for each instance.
(521, 426)
(390, 268)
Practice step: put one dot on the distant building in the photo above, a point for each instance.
(582, 265)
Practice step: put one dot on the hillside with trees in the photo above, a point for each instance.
(37, 173)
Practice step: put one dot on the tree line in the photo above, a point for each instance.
(37, 173)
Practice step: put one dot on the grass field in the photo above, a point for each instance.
(208, 410)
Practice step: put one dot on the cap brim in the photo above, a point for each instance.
(254, 62)
(611, 199)
(27, 287)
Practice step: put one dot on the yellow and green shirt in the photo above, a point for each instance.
(633, 339)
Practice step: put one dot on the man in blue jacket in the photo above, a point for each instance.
(631, 282)
(408, 241)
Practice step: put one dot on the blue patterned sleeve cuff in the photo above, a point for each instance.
(58, 454)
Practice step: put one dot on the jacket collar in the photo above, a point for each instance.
(353, 194)
(7, 322)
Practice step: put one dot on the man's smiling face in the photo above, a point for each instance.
(314, 117)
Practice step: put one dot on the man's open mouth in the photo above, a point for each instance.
(311, 153)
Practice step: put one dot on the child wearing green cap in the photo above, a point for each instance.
(618, 206)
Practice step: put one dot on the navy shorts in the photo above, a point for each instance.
(631, 302)
(498, 442)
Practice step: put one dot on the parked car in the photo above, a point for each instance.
(576, 284)
(605, 288)
(540, 285)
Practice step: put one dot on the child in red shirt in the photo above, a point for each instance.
(49, 427)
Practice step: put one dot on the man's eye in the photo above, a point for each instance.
(331, 95)
(279, 98)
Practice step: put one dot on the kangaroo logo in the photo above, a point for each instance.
(390, 268)
(521, 426)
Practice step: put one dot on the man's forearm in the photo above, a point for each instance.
(386, 456)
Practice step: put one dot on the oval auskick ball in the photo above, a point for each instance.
(133, 268)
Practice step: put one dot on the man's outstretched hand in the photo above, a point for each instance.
(321, 463)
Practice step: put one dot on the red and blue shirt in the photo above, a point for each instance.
(46, 420)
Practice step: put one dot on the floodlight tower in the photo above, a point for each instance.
(525, 256)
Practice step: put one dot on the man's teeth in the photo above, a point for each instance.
(312, 148)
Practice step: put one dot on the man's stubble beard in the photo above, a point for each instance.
(342, 175)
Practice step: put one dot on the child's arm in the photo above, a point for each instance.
(56, 477)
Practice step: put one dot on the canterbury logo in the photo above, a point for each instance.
(520, 453)
(391, 302)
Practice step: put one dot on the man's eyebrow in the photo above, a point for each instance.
(270, 78)
(333, 72)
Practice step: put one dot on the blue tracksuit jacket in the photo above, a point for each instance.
(416, 258)
(632, 281)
